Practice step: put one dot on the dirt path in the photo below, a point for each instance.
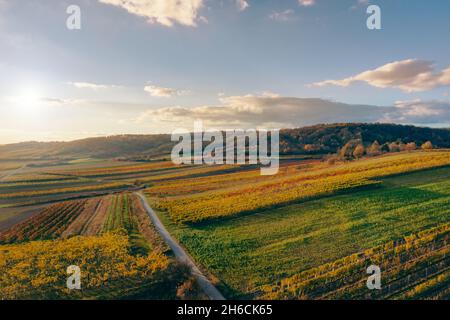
(209, 289)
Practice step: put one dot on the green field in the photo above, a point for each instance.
(122, 215)
(261, 248)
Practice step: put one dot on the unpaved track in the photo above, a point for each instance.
(206, 285)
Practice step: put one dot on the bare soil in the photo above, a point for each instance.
(81, 222)
(94, 225)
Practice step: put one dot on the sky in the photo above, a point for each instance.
(153, 66)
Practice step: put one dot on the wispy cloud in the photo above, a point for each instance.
(163, 92)
(419, 112)
(51, 101)
(93, 86)
(164, 12)
(285, 15)
(408, 75)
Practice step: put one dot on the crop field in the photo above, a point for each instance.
(46, 192)
(33, 270)
(39, 185)
(253, 254)
(42, 183)
(214, 181)
(411, 265)
(144, 172)
(33, 178)
(119, 170)
(123, 214)
(50, 223)
(110, 237)
(89, 217)
(284, 189)
(11, 188)
(5, 166)
(308, 232)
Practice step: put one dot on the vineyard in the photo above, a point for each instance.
(119, 214)
(250, 252)
(119, 170)
(409, 267)
(308, 232)
(32, 178)
(111, 238)
(123, 214)
(48, 224)
(12, 187)
(185, 186)
(285, 189)
(190, 172)
(90, 217)
(46, 192)
(37, 270)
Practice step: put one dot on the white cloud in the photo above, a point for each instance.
(162, 92)
(93, 86)
(164, 12)
(251, 111)
(270, 94)
(50, 101)
(306, 3)
(419, 112)
(242, 4)
(408, 75)
(285, 15)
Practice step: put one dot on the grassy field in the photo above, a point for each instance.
(250, 251)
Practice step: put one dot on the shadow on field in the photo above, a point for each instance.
(382, 192)
(210, 221)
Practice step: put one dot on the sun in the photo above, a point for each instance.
(28, 99)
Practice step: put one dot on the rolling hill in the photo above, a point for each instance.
(320, 139)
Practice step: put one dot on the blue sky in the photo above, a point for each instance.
(156, 67)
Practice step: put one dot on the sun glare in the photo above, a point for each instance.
(28, 99)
